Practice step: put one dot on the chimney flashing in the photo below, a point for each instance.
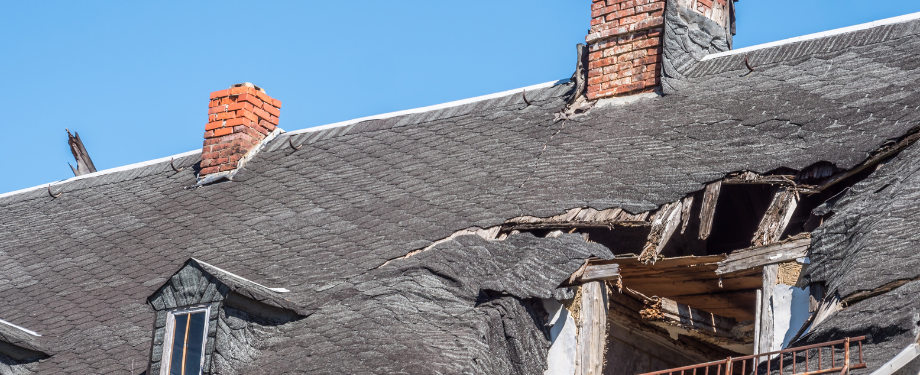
(228, 175)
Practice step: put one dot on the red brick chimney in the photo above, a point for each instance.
(625, 42)
(239, 118)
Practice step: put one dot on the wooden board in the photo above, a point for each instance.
(765, 335)
(597, 272)
(592, 329)
(760, 256)
(692, 280)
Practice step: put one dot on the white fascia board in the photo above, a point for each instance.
(896, 363)
(29, 331)
(104, 172)
(429, 108)
(276, 290)
(843, 30)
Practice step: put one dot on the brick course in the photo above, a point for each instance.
(624, 47)
(238, 119)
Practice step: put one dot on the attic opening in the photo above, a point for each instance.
(713, 275)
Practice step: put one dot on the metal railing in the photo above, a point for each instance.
(760, 364)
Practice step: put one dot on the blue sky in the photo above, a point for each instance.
(133, 78)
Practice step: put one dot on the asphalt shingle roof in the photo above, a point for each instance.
(321, 219)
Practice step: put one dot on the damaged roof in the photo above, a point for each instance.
(321, 220)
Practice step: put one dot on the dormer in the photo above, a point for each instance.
(191, 306)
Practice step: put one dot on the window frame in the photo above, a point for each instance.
(165, 361)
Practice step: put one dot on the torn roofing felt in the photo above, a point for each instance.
(463, 307)
(869, 243)
(317, 220)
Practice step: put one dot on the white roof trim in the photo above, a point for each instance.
(896, 363)
(276, 290)
(307, 130)
(428, 108)
(29, 331)
(104, 172)
(849, 29)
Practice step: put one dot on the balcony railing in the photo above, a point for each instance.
(760, 364)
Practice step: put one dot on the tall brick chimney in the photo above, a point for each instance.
(239, 118)
(625, 42)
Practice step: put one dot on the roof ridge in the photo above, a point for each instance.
(818, 35)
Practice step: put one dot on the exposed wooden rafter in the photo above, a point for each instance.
(777, 217)
(710, 197)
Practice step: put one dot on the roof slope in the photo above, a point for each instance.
(866, 252)
(319, 219)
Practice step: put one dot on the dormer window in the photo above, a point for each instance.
(188, 308)
(184, 344)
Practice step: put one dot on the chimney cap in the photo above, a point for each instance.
(248, 84)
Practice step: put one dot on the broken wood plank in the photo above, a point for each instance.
(686, 205)
(777, 217)
(663, 226)
(592, 329)
(765, 336)
(600, 272)
(763, 255)
(668, 310)
(751, 178)
(708, 210)
(507, 227)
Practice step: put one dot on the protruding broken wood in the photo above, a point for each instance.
(758, 256)
(599, 272)
(592, 329)
(84, 163)
(686, 205)
(663, 225)
(777, 217)
(710, 197)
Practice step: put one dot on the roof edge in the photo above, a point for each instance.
(434, 107)
(819, 35)
(29, 331)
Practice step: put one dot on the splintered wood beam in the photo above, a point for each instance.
(678, 314)
(666, 221)
(507, 227)
(598, 272)
(758, 256)
(686, 205)
(84, 163)
(777, 217)
(710, 197)
(592, 329)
